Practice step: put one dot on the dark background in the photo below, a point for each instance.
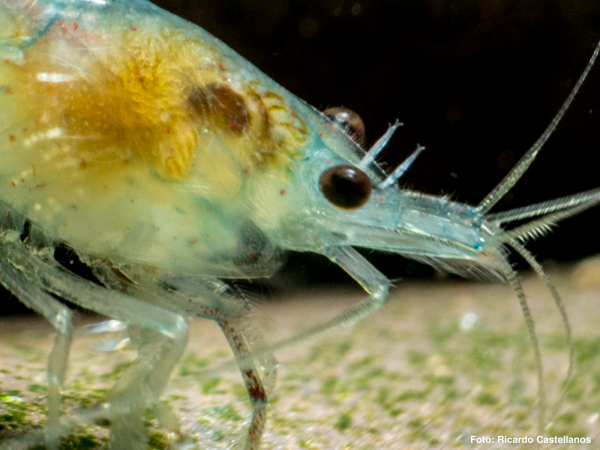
(475, 81)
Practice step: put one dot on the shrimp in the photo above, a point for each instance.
(170, 165)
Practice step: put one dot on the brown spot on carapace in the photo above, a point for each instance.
(221, 106)
(156, 100)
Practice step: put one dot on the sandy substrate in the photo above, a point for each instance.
(442, 362)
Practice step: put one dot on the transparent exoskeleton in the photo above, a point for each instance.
(168, 163)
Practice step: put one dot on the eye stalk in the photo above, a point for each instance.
(345, 186)
(349, 122)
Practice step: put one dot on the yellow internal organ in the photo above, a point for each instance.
(132, 97)
(114, 111)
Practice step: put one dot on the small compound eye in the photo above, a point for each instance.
(345, 186)
(349, 122)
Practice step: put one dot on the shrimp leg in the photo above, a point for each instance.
(210, 299)
(60, 318)
(140, 386)
(365, 274)
(162, 339)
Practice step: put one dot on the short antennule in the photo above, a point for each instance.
(396, 174)
(515, 174)
(369, 158)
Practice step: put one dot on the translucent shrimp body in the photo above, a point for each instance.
(143, 140)
(168, 163)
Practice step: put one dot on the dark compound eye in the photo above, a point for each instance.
(345, 186)
(349, 122)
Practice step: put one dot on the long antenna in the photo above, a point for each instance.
(513, 176)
